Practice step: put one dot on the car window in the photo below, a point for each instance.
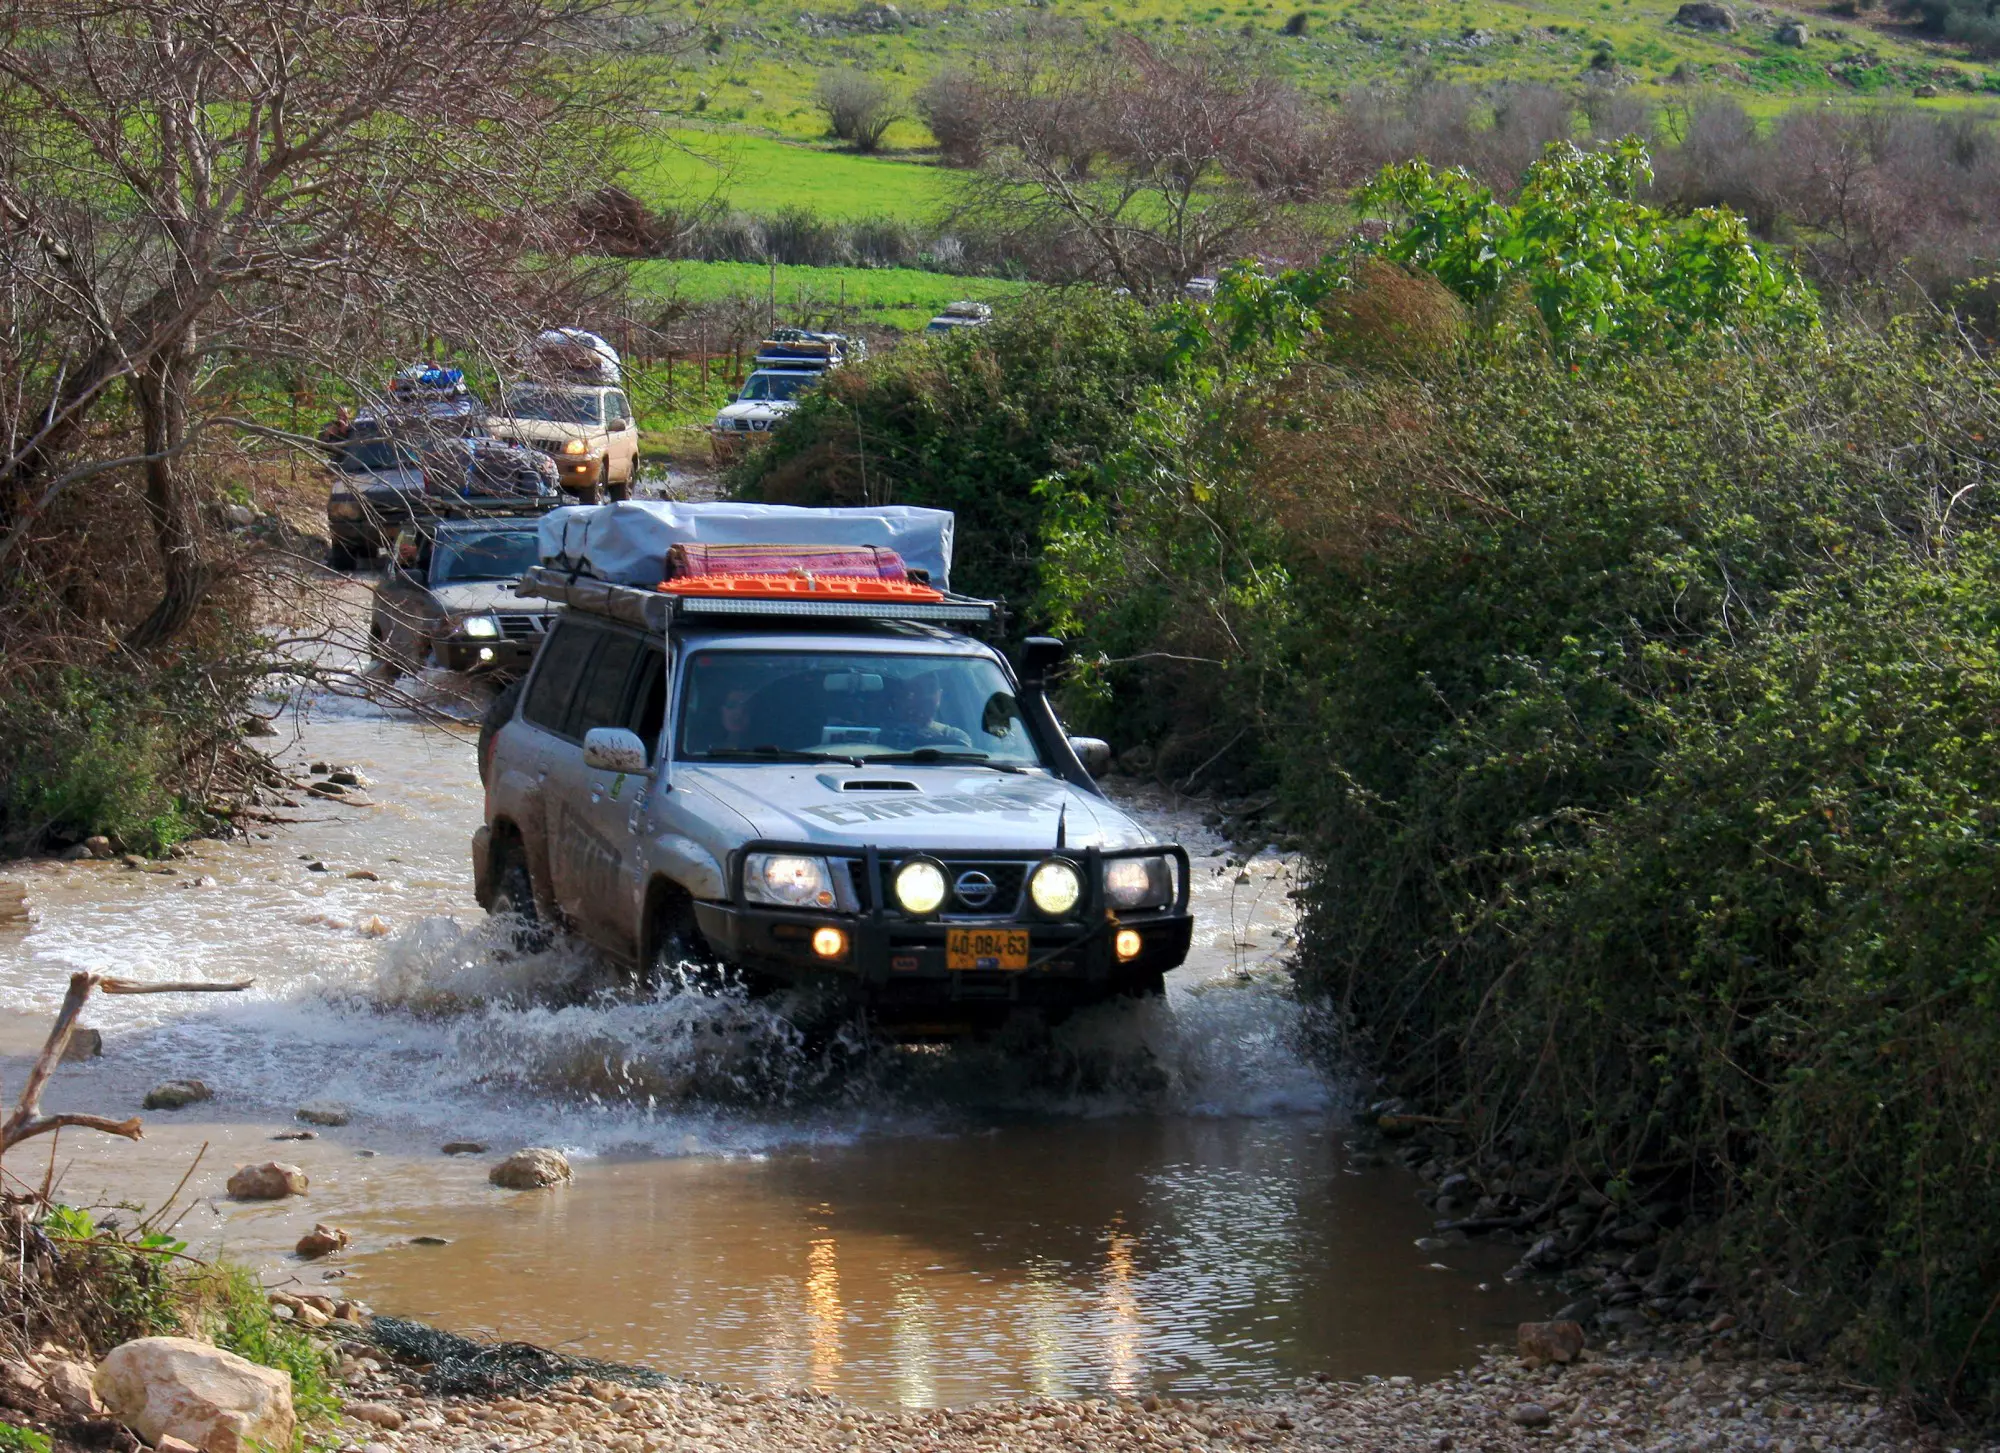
(740, 703)
(489, 555)
(616, 409)
(601, 700)
(556, 406)
(649, 702)
(557, 670)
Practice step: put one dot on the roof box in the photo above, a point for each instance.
(628, 543)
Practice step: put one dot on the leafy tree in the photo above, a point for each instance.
(1598, 265)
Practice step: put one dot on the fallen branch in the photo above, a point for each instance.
(28, 1120)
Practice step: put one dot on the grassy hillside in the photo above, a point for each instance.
(852, 297)
(752, 91)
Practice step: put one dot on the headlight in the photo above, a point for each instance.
(343, 507)
(919, 887)
(482, 628)
(1055, 887)
(1138, 883)
(788, 881)
(576, 446)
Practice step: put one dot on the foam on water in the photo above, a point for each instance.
(400, 998)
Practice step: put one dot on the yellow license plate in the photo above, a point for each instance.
(985, 949)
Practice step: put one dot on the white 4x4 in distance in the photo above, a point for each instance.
(813, 777)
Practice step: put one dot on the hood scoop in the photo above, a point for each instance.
(876, 784)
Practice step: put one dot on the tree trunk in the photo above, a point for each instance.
(172, 501)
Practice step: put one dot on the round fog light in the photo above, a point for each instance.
(1128, 943)
(829, 943)
(1056, 887)
(920, 887)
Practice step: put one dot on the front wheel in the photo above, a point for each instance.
(620, 491)
(514, 894)
(341, 556)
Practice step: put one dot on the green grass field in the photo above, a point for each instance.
(764, 175)
(751, 97)
(839, 297)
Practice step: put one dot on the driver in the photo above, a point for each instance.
(912, 703)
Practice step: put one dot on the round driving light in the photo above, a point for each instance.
(920, 887)
(575, 446)
(1056, 887)
(1128, 943)
(830, 943)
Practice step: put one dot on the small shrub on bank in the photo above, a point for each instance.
(230, 1305)
(858, 107)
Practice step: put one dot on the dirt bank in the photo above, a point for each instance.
(1608, 1402)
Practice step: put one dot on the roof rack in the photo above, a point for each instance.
(657, 610)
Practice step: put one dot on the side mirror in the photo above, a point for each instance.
(1093, 752)
(1041, 655)
(613, 749)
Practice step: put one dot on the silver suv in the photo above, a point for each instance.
(881, 807)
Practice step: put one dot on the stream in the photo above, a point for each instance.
(1154, 1196)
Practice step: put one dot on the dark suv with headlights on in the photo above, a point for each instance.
(448, 597)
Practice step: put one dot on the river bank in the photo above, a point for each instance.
(1500, 1402)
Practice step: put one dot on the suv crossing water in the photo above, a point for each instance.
(875, 804)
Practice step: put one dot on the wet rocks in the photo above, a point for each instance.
(363, 875)
(324, 1113)
(296, 1135)
(531, 1169)
(84, 1044)
(100, 847)
(176, 1387)
(13, 903)
(465, 1147)
(1549, 1341)
(322, 1240)
(347, 777)
(176, 1095)
(75, 853)
(272, 1181)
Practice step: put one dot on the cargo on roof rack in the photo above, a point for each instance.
(831, 598)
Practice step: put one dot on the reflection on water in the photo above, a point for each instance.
(1048, 1258)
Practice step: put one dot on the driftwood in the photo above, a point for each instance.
(28, 1120)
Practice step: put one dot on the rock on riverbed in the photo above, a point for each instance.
(172, 1386)
(531, 1169)
(272, 1181)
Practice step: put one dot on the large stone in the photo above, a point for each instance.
(1702, 15)
(322, 1240)
(164, 1387)
(271, 1181)
(325, 1112)
(530, 1170)
(1549, 1341)
(177, 1094)
(84, 1044)
(1793, 32)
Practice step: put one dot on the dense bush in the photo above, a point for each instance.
(1636, 718)
(858, 107)
(971, 423)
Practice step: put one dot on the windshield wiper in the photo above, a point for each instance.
(774, 754)
(944, 754)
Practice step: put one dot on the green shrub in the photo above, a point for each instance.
(104, 751)
(971, 423)
(22, 1440)
(236, 1316)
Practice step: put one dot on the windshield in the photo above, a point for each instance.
(489, 555)
(764, 387)
(364, 456)
(740, 705)
(553, 405)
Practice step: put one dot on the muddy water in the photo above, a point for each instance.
(1153, 1196)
